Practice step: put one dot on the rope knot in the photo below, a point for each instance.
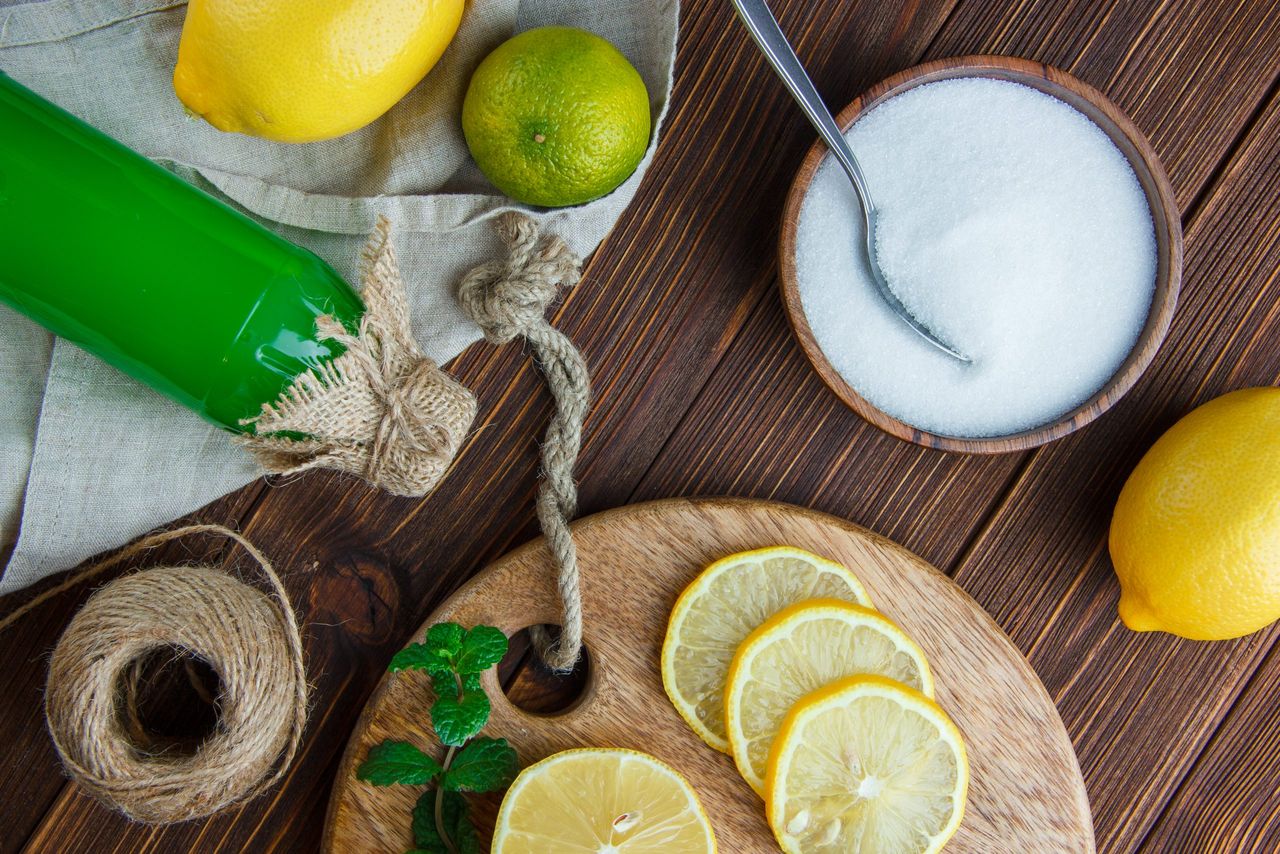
(509, 297)
(411, 425)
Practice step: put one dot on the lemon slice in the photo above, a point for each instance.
(799, 650)
(725, 604)
(596, 800)
(869, 765)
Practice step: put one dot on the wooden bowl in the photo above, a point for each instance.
(1146, 166)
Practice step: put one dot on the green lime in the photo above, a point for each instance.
(556, 116)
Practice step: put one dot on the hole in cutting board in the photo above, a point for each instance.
(168, 701)
(533, 687)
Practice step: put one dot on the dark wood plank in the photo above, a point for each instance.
(766, 427)
(1231, 799)
(1141, 707)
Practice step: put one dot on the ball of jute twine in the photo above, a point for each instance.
(509, 299)
(249, 638)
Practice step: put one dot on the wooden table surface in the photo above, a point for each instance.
(700, 389)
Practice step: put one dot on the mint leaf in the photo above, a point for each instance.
(456, 823)
(470, 681)
(484, 765)
(446, 639)
(425, 835)
(424, 822)
(419, 656)
(438, 654)
(397, 762)
(456, 719)
(465, 836)
(482, 648)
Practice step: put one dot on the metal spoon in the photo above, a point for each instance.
(768, 35)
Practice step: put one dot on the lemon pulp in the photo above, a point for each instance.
(868, 765)
(801, 649)
(723, 605)
(601, 801)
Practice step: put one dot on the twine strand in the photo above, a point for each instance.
(508, 298)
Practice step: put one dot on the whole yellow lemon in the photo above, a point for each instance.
(306, 70)
(1195, 538)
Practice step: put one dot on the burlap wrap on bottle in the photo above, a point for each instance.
(382, 410)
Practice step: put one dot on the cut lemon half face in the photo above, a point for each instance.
(723, 605)
(869, 765)
(601, 801)
(799, 650)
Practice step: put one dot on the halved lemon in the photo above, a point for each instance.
(721, 607)
(870, 765)
(598, 800)
(799, 650)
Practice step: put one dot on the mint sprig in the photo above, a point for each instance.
(454, 658)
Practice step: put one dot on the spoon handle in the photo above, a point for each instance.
(768, 35)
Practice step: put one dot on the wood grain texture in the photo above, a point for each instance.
(701, 389)
(1026, 793)
(1127, 139)
(1230, 801)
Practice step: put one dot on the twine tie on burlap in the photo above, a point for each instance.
(507, 299)
(382, 410)
(248, 637)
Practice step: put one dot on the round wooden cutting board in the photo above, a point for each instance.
(1026, 793)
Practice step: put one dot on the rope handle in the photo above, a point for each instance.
(509, 299)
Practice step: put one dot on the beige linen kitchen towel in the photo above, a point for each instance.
(89, 458)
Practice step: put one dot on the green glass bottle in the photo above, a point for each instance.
(150, 274)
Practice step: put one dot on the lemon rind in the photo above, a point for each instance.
(846, 689)
(503, 824)
(809, 608)
(686, 598)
